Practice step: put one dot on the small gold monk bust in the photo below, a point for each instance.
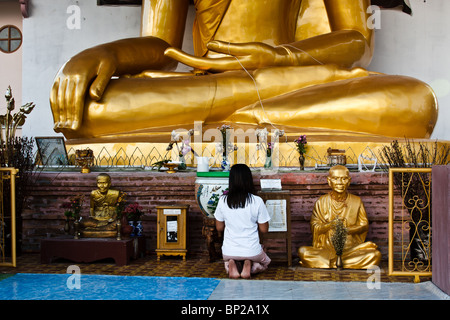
(339, 204)
(102, 221)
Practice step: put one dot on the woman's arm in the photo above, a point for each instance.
(263, 227)
(220, 225)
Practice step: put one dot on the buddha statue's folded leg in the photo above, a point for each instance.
(311, 257)
(111, 226)
(362, 256)
(97, 225)
(131, 105)
(395, 106)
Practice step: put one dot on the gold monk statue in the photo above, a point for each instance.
(339, 204)
(305, 60)
(102, 220)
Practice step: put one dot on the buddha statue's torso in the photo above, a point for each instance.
(263, 21)
(238, 21)
(105, 204)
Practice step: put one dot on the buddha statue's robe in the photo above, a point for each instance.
(357, 253)
(102, 221)
(104, 207)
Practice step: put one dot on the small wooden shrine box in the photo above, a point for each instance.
(171, 229)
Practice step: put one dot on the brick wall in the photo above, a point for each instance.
(45, 217)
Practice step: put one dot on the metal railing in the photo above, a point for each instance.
(5, 233)
(137, 157)
(410, 225)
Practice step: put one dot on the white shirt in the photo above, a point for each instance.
(241, 236)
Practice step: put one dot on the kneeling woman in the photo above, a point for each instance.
(242, 214)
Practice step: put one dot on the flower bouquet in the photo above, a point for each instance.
(72, 210)
(226, 146)
(300, 144)
(338, 240)
(184, 149)
(133, 212)
(264, 145)
(120, 204)
(73, 207)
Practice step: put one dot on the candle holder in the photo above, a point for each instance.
(84, 159)
(171, 166)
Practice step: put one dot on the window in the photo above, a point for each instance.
(10, 39)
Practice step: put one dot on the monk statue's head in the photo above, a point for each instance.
(339, 179)
(103, 182)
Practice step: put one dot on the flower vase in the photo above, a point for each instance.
(133, 230)
(268, 163)
(301, 159)
(182, 165)
(225, 165)
(339, 264)
(76, 225)
(139, 229)
(127, 228)
(67, 226)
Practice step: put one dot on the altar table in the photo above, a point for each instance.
(90, 249)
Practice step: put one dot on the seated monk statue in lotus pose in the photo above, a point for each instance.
(102, 220)
(294, 64)
(339, 204)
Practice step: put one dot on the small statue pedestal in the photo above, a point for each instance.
(87, 250)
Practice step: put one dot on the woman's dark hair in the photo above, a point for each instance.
(240, 186)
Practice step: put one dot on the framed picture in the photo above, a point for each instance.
(277, 213)
(118, 2)
(52, 151)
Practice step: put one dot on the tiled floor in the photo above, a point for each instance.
(196, 267)
(324, 290)
(31, 286)
(173, 279)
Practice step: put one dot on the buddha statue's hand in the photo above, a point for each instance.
(325, 227)
(89, 70)
(251, 55)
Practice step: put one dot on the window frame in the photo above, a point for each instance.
(9, 38)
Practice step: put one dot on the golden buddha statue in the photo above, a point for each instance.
(339, 204)
(102, 221)
(294, 64)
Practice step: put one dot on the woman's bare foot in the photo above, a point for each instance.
(233, 272)
(246, 269)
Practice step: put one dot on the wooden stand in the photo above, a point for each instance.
(87, 250)
(280, 195)
(213, 237)
(171, 224)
